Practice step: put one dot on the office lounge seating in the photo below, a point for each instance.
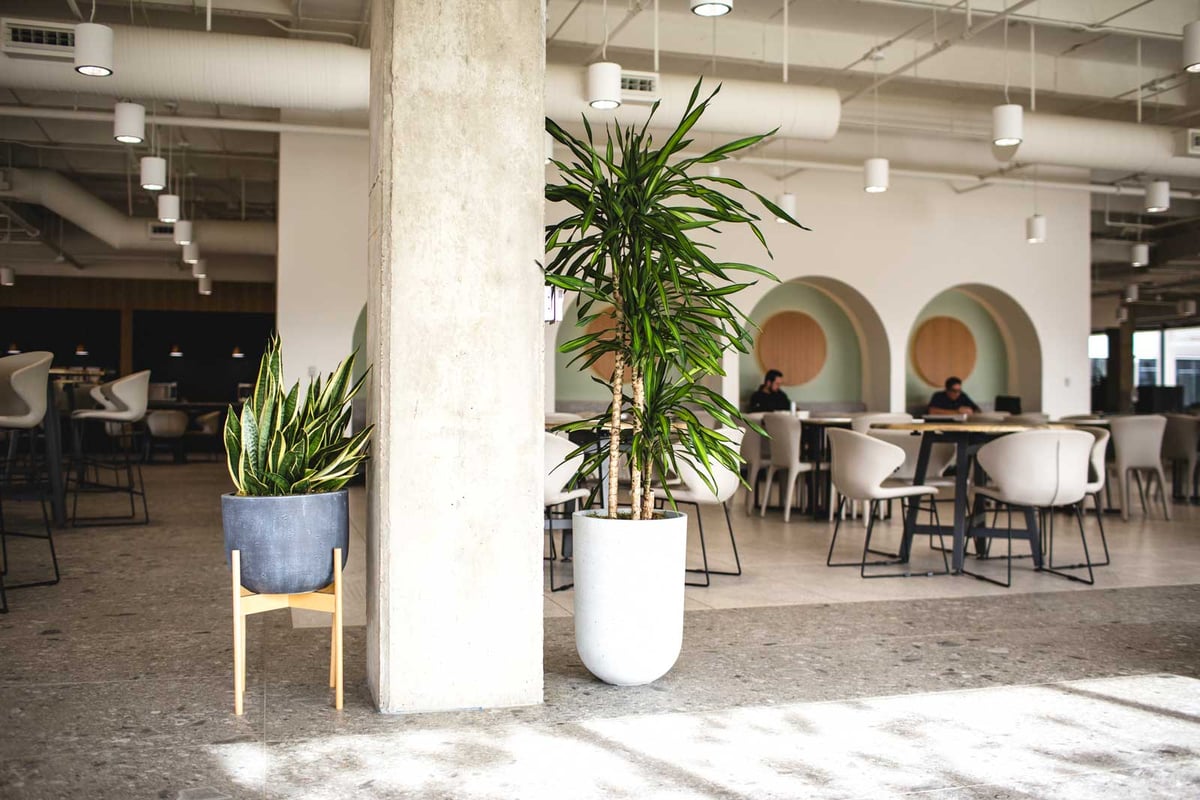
(125, 401)
(1137, 443)
(23, 401)
(1181, 446)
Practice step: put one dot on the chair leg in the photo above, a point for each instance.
(732, 541)
(789, 479)
(703, 552)
(1125, 480)
(1162, 487)
(766, 498)
(1137, 476)
(829, 562)
(1054, 569)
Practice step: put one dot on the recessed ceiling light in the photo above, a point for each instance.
(711, 8)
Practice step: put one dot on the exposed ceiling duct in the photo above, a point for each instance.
(51, 190)
(1101, 144)
(166, 64)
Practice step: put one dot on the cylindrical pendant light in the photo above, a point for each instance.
(1007, 125)
(875, 175)
(200, 269)
(168, 207)
(183, 232)
(1139, 254)
(714, 171)
(204, 285)
(711, 8)
(1035, 229)
(7, 276)
(787, 204)
(1131, 293)
(1158, 196)
(129, 123)
(191, 253)
(93, 50)
(1191, 46)
(153, 173)
(1186, 308)
(1122, 315)
(604, 85)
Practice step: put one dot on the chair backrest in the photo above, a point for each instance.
(1097, 473)
(862, 422)
(1030, 418)
(1138, 440)
(1039, 468)
(561, 417)
(726, 480)
(23, 379)
(784, 430)
(559, 468)
(211, 422)
(751, 447)
(1180, 438)
(860, 463)
(131, 394)
(906, 441)
(167, 424)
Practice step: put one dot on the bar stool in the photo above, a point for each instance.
(23, 380)
(125, 400)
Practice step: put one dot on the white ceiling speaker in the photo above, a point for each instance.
(787, 204)
(604, 85)
(711, 8)
(1008, 125)
(1191, 46)
(1035, 229)
(93, 50)
(1131, 293)
(183, 232)
(200, 269)
(204, 285)
(7, 276)
(1139, 254)
(129, 123)
(191, 253)
(168, 207)
(875, 175)
(153, 173)
(1158, 196)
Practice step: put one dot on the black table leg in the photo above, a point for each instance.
(53, 438)
(910, 524)
(961, 470)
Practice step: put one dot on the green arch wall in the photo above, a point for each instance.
(990, 377)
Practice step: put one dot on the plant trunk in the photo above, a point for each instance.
(614, 435)
(635, 462)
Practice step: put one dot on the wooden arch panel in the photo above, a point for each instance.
(941, 347)
(793, 343)
(604, 324)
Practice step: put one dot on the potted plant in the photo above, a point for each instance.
(290, 458)
(626, 248)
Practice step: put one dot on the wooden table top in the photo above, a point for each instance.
(968, 427)
(826, 421)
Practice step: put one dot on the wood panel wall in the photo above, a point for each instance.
(129, 295)
(941, 347)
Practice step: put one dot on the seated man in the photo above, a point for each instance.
(952, 401)
(770, 397)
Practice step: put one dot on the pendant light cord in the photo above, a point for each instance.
(875, 107)
(604, 47)
(656, 35)
(1006, 100)
(786, 3)
(92, 18)
(714, 47)
(1032, 68)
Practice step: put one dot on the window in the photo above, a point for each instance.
(1187, 375)
(1098, 356)
(1147, 347)
(1181, 366)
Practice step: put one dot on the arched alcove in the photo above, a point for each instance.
(1003, 356)
(848, 363)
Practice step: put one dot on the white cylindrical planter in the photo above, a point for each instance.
(629, 595)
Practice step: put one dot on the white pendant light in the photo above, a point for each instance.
(714, 171)
(711, 8)
(1131, 293)
(129, 123)
(168, 207)
(1122, 315)
(7, 276)
(875, 175)
(604, 85)
(787, 204)
(191, 253)
(200, 269)
(183, 232)
(1139, 254)
(153, 173)
(1186, 308)
(1191, 46)
(93, 50)
(1007, 125)
(1035, 229)
(204, 285)
(1158, 196)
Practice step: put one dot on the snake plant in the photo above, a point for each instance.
(285, 444)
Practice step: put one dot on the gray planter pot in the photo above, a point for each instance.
(286, 543)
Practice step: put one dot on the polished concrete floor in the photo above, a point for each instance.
(795, 681)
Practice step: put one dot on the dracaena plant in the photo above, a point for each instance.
(285, 443)
(626, 246)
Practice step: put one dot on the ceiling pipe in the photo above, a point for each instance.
(53, 191)
(217, 123)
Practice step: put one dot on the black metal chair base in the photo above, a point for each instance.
(134, 483)
(550, 516)
(707, 571)
(33, 479)
(896, 559)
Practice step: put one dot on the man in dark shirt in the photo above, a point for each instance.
(770, 397)
(952, 401)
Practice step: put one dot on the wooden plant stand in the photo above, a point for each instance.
(246, 602)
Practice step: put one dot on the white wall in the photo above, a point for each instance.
(902, 248)
(322, 283)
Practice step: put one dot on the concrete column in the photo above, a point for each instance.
(455, 334)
